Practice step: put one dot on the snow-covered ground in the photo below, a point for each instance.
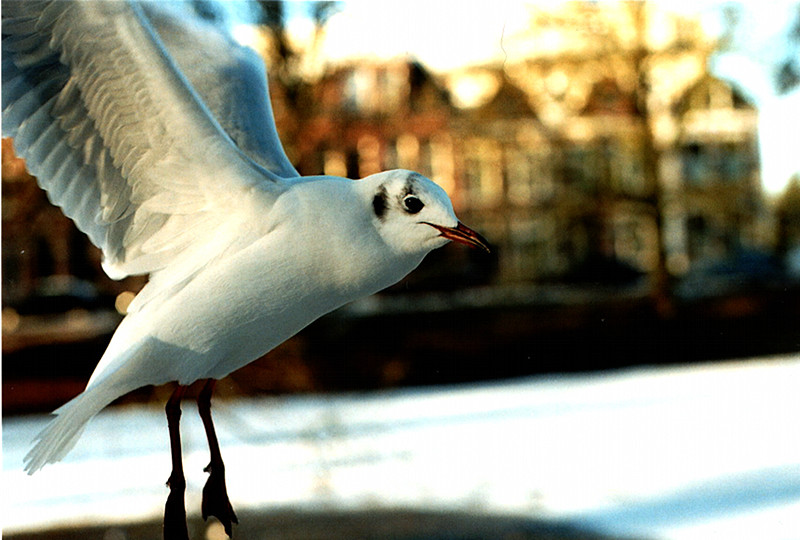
(706, 451)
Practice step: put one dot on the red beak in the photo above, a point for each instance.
(462, 234)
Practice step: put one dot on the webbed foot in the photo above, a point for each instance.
(215, 499)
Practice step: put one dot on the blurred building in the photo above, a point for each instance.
(363, 118)
(601, 152)
(712, 198)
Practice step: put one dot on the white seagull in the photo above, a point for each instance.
(153, 132)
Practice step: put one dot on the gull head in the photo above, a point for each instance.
(414, 215)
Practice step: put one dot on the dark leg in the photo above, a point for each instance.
(175, 510)
(215, 494)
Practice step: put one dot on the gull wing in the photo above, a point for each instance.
(229, 78)
(119, 138)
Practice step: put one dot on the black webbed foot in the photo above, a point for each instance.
(215, 499)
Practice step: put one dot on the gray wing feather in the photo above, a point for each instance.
(118, 138)
(231, 80)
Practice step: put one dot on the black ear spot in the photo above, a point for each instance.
(412, 204)
(380, 203)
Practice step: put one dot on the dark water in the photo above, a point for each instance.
(422, 347)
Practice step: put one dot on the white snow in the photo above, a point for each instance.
(704, 451)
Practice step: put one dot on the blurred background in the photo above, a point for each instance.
(635, 165)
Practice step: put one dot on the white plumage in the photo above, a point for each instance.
(152, 130)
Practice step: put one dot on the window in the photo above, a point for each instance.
(627, 169)
(530, 176)
(706, 164)
(583, 167)
(483, 172)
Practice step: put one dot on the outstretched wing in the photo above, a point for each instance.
(117, 135)
(230, 79)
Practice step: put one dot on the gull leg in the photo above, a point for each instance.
(215, 493)
(175, 510)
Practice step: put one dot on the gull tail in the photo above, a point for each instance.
(63, 431)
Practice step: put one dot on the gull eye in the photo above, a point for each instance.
(412, 204)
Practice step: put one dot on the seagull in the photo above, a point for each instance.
(153, 131)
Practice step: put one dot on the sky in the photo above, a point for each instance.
(759, 45)
(443, 35)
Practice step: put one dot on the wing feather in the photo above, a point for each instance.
(117, 135)
(230, 78)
